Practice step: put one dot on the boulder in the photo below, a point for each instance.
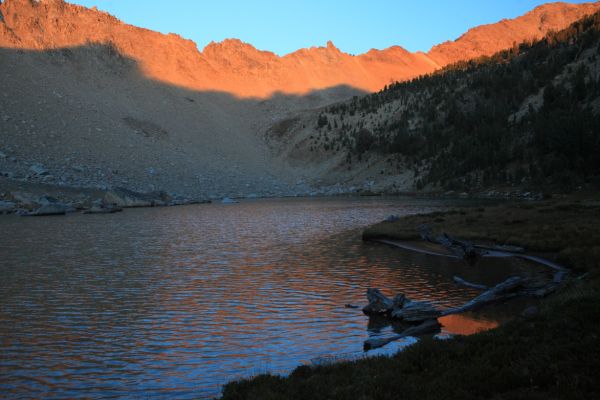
(25, 199)
(99, 207)
(125, 198)
(45, 199)
(103, 210)
(7, 207)
(38, 169)
(51, 209)
(122, 197)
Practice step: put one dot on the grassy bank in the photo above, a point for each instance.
(555, 354)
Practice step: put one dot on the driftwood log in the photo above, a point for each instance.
(379, 304)
(461, 248)
(429, 326)
(401, 308)
(415, 311)
(500, 292)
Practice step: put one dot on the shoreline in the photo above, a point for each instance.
(482, 364)
(20, 196)
(422, 248)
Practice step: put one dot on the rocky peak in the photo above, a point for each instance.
(230, 46)
(488, 39)
(331, 47)
(241, 69)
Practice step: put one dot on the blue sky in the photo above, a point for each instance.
(282, 26)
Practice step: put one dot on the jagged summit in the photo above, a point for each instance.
(331, 46)
(491, 38)
(239, 68)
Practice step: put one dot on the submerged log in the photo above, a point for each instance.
(461, 248)
(458, 280)
(431, 325)
(502, 247)
(410, 247)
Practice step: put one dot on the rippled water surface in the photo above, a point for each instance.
(177, 301)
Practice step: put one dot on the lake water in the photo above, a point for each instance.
(177, 301)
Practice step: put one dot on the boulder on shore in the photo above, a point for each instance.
(121, 197)
(38, 169)
(7, 207)
(109, 209)
(25, 199)
(51, 209)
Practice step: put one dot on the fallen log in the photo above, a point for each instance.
(458, 280)
(501, 291)
(431, 325)
(488, 253)
(415, 311)
(407, 246)
(461, 248)
(466, 250)
(379, 304)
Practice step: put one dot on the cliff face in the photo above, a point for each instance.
(240, 69)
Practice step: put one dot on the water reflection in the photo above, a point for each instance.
(466, 324)
(177, 301)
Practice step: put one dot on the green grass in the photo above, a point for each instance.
(567, 228)
(554, 355)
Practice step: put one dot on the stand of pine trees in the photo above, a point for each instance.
(528, 115)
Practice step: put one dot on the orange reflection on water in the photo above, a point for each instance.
(461, 324)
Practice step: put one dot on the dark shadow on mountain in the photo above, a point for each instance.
(106, 58)
(92, 105)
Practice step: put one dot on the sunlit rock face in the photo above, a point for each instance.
(240, 69)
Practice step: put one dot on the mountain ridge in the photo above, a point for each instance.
(526, 117)
(239, 68)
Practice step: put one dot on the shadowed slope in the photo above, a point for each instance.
(92, 118)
